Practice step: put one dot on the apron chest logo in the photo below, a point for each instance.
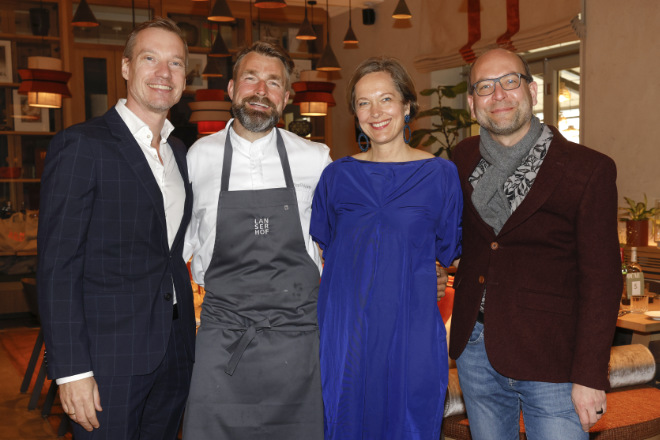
(261, 226)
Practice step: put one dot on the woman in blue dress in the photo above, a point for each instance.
(382, 218)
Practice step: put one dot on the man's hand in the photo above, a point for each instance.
(80, 400)
(441, 273)
(590, 405)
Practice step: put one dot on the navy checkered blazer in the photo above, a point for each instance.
(105, 270)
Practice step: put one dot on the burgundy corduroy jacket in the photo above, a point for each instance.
(552, 275)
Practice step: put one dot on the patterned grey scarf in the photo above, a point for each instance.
(488, 197)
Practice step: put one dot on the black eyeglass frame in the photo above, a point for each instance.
(529, 79)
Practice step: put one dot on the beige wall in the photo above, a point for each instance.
(436, 29)
(385, 37)
(621, 91)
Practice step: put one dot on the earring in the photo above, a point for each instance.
(363, 141)
(406, 130)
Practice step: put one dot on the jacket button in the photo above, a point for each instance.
(482, 279)
(494, 245)
(168, 297)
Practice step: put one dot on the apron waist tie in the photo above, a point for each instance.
(238, 348)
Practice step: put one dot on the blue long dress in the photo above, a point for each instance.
(381, 226)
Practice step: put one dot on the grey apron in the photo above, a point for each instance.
(256, 373)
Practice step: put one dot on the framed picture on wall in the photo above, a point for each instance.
(299, 66)
(28, 118)
(6, 75)
(194, 79)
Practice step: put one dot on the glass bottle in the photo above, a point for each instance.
(625, 301)
(635, 284)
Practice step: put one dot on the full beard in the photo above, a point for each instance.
(256, 121)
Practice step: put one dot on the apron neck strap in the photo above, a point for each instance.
(226, 163)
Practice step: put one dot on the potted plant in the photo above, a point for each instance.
(637, 222)
(452, 120)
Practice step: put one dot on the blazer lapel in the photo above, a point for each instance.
(133, 154)
(180, 156)
(549, 176)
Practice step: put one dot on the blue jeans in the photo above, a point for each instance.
(493, 402)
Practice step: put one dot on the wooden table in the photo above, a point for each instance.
(643, 327)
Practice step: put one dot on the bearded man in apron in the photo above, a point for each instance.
(256, 373)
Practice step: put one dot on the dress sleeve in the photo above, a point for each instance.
(449, 232)
(320, 227)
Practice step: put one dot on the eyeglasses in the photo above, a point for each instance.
(510, 81)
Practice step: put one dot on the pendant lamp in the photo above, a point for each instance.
(313, 93)
(219, 48)
(44, 82)
(306, 31)
(401, 12)
(270, 4)
(84, 17)
(212, 68)
(209, 111)
(328, 61)
(350, 37)
(221, 12)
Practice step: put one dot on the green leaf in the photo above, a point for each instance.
(417, 137)
(448, 92)
(422, 131)
(461, 87)
(430, 112)
(430, 141)
(448, 113)
(428, 92)
(638, 210)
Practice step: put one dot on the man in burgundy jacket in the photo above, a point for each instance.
(538, 287)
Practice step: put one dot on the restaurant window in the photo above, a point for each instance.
(556, 70)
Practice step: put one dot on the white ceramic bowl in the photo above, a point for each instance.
(655, 314)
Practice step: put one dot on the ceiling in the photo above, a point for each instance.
(335, 6)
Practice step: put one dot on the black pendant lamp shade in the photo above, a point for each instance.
(401, 12)
(269, 4)
(328, 61)
(221, 12)
(306, 31)
(350, 37)
(212, 69)
(219, 48)
(84, 17)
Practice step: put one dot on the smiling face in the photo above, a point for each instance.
(380, 110)
(506, 114)
(258, 93)
(156, 73)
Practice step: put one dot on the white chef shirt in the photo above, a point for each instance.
(255, 166)
(167, 176)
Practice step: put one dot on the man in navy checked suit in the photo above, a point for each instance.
(114, 292)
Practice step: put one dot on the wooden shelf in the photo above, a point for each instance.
(28, 38)
(18, 254)
(28, 133)
(20, 180)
